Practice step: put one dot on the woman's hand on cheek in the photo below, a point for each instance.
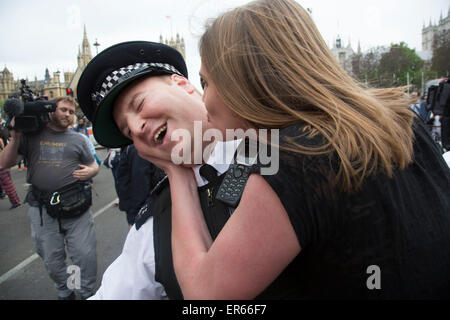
(163, 164)
(170, 168)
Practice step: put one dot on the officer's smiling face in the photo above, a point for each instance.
(149, 110)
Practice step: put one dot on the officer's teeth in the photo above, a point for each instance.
(158, 136)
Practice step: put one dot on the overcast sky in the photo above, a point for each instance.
(46, 34)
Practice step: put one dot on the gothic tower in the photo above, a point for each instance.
(7, 84)
(84, 56)
(84, 53)
(178, 44)
(430, 31)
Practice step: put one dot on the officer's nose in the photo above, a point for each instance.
(136, 126)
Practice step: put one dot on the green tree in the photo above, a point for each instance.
(440, 63)
(365, 67)
(397, 63)
(371, 64)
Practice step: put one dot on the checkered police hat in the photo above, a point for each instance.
(111, 71)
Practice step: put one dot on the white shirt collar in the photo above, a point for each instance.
(221, 157)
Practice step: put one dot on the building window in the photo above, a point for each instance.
(51, 94)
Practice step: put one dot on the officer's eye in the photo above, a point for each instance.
(141, 104)
(202, 83)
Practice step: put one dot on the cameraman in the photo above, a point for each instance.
(58, 160)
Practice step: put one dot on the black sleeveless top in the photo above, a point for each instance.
(399, 225)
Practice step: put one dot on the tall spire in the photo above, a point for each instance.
(86, 47)
(47, 75)
(339, 42)
(177, 43)
(84, 55)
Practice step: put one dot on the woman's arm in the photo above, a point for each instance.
(253, 248)
(189, 231)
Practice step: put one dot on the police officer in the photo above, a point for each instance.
(162, 100)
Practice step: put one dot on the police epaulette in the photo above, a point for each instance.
(147, 211)
(144, 213)
(160, 185)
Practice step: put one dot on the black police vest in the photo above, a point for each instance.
(216, 214)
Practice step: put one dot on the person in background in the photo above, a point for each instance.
(90, 144)
(7, 187)
(21, 161)
(136, 177)
(112, 161)
(419, 106)
(80, 127)
(4, 136)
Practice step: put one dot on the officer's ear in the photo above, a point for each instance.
(182, 82)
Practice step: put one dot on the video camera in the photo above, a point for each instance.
(438, 102)
(30, 112)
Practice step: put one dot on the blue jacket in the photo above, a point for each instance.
(136, 177)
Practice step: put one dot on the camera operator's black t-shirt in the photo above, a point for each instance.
(53, 156)
(399, 225)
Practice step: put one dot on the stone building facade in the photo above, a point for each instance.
(430, 31)
(178, 44)
(344, 54)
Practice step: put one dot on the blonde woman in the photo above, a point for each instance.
(360, 205)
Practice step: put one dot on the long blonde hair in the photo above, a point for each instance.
(271, 66)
